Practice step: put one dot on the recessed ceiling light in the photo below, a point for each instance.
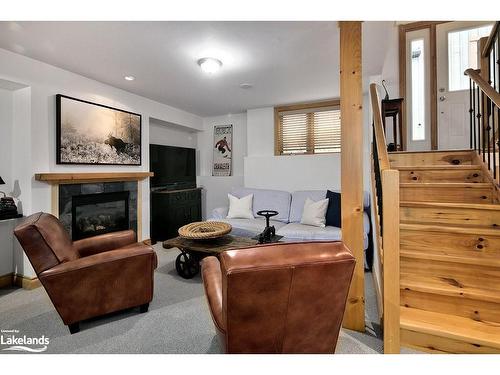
(129, 78)
(209, 65)
(246, 86)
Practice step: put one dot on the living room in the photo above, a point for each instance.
(206, 137)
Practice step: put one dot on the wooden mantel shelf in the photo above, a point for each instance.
(78, 178)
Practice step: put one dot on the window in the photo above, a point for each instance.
(462, 55)
(307, 128)
(417, 90)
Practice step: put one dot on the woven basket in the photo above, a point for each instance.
(203, 230)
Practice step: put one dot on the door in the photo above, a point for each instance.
(456, 51)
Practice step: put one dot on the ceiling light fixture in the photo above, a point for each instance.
(246, 86)
(129, 78)
(210, 65)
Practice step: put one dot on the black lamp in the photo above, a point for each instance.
(2, 182)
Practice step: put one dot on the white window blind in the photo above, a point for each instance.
(308, 131)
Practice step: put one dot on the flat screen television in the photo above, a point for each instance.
(174, 167)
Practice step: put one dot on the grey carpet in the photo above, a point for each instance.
(178, 320)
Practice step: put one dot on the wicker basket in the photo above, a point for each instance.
(203, 230)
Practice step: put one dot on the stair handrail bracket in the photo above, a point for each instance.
(385, 191)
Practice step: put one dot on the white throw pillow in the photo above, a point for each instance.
(314, 212)
(240, 208)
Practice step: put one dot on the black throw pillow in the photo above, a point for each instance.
(333, 214)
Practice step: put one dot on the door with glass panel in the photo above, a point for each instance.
(417, 88)
(456, 51)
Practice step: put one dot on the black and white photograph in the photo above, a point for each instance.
(90, 133)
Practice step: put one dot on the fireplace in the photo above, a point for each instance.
(94, 214)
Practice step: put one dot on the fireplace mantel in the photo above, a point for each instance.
(80, 178)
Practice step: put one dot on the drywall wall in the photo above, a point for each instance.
(215, 188)
(168, 134)
(6, 118)
(297, 172)
(34, 130)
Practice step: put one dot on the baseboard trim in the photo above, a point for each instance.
(26, 283)
(6, 280)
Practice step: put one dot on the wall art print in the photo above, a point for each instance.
(90, 133)
(223, 145)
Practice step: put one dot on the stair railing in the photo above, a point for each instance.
(484, 102)
(385, 193)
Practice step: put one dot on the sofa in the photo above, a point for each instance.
(287, 222)
(267, 299)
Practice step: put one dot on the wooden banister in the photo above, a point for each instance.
(385, 190)
(484, 86)
(379, 129)
(491, 40)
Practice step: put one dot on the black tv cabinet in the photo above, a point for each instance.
(171, 209)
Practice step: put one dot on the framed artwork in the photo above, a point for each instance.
(90, 133)
(223, 145)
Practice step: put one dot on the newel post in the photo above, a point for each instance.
(351, 108)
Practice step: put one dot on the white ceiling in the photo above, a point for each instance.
(285, 62)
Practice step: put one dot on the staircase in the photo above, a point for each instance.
(449, 252)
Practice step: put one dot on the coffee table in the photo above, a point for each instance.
(187, 262)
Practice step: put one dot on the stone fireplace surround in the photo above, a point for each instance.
(68, 191)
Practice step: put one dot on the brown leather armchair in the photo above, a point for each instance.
(279, 298)
(89, 277)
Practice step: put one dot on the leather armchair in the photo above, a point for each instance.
(279, 298)
(89, 277)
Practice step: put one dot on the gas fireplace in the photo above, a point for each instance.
(94, 214)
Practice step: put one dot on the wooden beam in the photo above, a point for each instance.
(390, 243)
(351, 107)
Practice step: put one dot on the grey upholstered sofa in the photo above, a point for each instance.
(287, 223)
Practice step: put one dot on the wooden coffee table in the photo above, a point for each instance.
(187, 262)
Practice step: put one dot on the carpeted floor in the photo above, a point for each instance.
(178, 320)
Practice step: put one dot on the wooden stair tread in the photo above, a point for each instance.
(443, 286)
(447, 185)
(457, 151)
(465, 229)
(451, 326)
(473, 167)
(482, 260)
(482, 206)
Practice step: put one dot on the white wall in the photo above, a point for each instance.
(167, 134)
(6, 118)
(296, 172)
(215, 188)
(34, 129)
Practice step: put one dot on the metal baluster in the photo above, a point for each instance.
(488, 128)
(494, 144)
(494, 51)
(478, 116)
(470, 112)
(474, 113)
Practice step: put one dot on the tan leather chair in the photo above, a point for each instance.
(89, 277)
(279, 298)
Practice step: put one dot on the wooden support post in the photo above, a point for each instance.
(351, 108)
(390, 243)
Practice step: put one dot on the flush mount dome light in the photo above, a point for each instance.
(209, 64)
(129, 78)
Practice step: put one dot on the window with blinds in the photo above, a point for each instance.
(308, 129)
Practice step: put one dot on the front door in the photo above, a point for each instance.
(456, 51)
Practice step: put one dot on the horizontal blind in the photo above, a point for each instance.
(327, 131)
(310, 131)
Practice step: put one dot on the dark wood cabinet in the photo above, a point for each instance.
(170, 210)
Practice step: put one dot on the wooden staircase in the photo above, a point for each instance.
(449, 252)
